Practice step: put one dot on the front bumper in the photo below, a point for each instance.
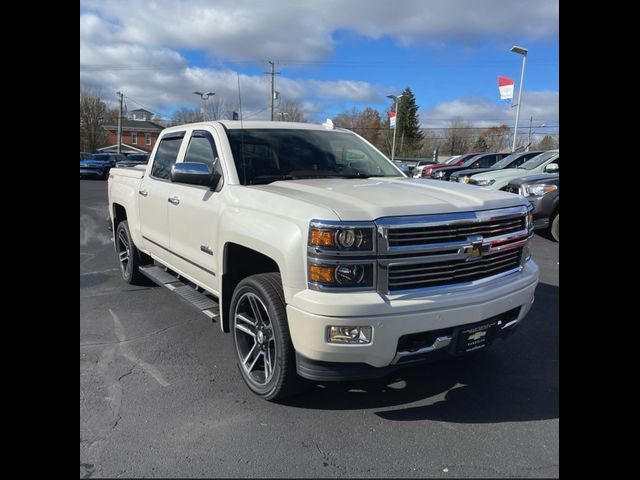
(392, 319)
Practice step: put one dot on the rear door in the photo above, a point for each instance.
(193, 215)
(154, 193)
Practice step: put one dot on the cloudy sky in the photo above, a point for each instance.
(332, 54)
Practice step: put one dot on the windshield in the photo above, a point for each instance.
(268, 155)
(452, 160)
(103, 157)
(506, 161)
(538, 160)
(471, 161)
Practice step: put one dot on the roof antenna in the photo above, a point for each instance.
(244, 164)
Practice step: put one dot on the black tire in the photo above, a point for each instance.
(555, 228)
(271, 347)
(134, 257)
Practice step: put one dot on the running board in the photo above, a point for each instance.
(190, 295)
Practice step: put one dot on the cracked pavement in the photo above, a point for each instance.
(160, 395)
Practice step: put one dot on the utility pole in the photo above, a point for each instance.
(273, 73)
(119, 140)
(529, 141)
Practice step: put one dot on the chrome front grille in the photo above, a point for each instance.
(408, 277)
(510, 189)
(444, 233)
(449, 251)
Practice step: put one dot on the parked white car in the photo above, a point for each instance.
(547, 162)
(318, 254)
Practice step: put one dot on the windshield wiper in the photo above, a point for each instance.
(275, 178)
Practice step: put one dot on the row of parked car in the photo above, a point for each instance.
(534, 175)
(99, 164)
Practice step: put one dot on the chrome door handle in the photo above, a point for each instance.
(144, 193)
(175, 200)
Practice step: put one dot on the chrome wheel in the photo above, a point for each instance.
(124, 252)
(255, 340)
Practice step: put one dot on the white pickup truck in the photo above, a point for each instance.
(318, 254)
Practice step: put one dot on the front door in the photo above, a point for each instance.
(193, 215)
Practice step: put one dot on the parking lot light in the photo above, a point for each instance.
(521, 51)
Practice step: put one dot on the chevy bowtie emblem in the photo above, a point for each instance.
(477, 247)
(477, 335)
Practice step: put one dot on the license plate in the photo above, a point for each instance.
(477, 337)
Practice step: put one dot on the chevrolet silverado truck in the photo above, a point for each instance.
(319, 256)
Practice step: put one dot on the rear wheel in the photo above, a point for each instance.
(555, 228)
(266, 357)
(129, 257)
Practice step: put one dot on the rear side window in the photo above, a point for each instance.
(201, 149)
(166, 155)
(487, 161)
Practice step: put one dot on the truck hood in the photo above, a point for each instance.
(504, 173)
(369, 199)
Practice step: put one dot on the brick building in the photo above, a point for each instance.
(139, 133)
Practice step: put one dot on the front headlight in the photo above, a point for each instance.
(484, 183)
(538, 189)
(328, 245)
(438, 174)
(339, 237)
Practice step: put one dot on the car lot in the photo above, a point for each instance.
(160, 394)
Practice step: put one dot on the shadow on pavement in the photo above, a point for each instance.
(514, 380)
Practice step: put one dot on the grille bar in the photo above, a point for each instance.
(427, 235)
(455, 272)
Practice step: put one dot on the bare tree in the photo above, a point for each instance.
(215, 109)
(187, 115)
(291, 111)
(92, 115)
(457, 138)
(366, 123)
(498, 138)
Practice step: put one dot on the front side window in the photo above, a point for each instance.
(202, 149)
(538, 160)
(166, 155)
(268, 155)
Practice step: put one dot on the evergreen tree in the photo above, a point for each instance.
(480, 145)
(410, 136)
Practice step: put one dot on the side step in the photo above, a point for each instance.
(190, 295)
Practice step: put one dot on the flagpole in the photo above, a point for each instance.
(523, 52)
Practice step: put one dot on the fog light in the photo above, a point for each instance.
(350, 335)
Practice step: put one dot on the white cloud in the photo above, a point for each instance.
(483, 112)
(303, 30)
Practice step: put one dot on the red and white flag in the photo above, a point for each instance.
(392, 119)
(505, 85)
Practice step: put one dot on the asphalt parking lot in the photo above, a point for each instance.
(160, 395)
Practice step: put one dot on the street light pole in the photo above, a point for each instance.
(522, 51)
(204, 96)
(395, 128)
(119, 141)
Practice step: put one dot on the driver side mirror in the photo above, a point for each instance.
(194, 173)
(552, 167)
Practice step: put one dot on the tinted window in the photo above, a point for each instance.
(268, 155)
(166, 155)
(201, 149)
(538, 160)
(103, 157)
(487, 161)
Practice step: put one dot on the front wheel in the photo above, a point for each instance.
(266, 357)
